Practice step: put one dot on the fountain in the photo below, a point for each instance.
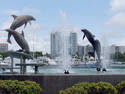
(62, 47)
(105, 52)
(49, 75)
(96, 47)
(106, 57)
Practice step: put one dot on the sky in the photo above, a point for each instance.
(104, 18)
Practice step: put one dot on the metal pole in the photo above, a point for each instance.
(21, 67)
(36, 69)
(11, 64)
(24, 66)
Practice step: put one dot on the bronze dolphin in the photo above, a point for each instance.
(19, 38)
(89, 36)
(19, 21)
(95, 43)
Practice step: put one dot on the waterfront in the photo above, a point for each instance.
(74, 70)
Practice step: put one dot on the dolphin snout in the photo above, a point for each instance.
(34, 19)
(82, 30)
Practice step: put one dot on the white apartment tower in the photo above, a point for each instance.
(56, 43)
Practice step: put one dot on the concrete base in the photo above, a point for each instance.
(52, 84)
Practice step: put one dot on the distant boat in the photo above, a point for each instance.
(88, 65)
(43, 60)
(5, 64)
(85, 64)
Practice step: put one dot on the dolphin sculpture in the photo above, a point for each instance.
(19, 38)
(19, 21)
(89, 36)
(96, 45)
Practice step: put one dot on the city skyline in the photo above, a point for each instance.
(105, 19)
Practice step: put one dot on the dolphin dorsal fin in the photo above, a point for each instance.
(22, 33)
(14, 16)
(93, 36)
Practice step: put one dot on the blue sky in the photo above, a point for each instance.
(94, 15)
(84, 13)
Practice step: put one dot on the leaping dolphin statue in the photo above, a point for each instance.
(96, 45)
(19, 21)
(89, 36)
(19, 38)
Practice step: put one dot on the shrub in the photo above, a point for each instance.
(102, 88)
(121, 87)
(80, 88)
(90, 88)
(19, 87)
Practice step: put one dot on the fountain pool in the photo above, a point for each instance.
(77, 70)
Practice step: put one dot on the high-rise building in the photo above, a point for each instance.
(56, 43)
(115, 49)
(73, 43)
(120, 49)
(3, 47)
(81, 51)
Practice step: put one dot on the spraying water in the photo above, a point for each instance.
(62, 41)
(62, 46)
(106, 57)
(105, 51)
(64, 52)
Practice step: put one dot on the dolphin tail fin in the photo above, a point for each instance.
(14, 16)
(8, 40)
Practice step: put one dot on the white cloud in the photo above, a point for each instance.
(118, 19)
(120, 43)
(82, 42)
(31, 10)
(116, 24)
(11, 11)
(20, 12)
(38, 43)
(117, 5)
